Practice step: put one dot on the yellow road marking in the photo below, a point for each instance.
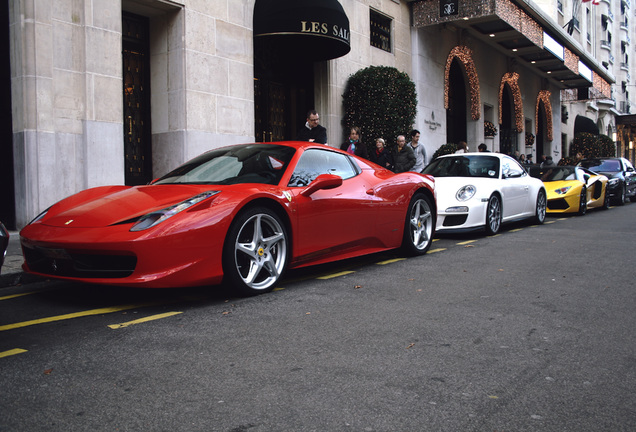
(549, 222)
(516, 229)
(335, 275)
(12, 352)
(391, 261)
(18, 295)
(91, 312)
(143, 320)
(436, 250)
(466, 242)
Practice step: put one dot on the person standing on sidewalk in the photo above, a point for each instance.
(403, 157)
(418, 150)
(312, 131)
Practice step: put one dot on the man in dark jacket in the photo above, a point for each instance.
(403, 156)
(312, 131)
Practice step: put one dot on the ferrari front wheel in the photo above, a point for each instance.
(493, 215)
(419, 226)
(255, 252)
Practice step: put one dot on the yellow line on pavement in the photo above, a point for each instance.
(466, 242)
(549, 222)
(18, 295)
(335, 275)
(143, 320)
(391, 261)
(91, 312)
(516, 230)
(12, 352)
(436, 250)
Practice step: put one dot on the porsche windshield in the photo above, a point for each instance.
(249, 163)
(464, 166)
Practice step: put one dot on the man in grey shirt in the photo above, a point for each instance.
(418, 150)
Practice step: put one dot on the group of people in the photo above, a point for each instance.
(404, 157)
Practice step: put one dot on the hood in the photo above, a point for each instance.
(104, 206)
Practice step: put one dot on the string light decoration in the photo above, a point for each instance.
(570, 60)
(602, 86)
(465, 56)
(512, 80)
(544, 96)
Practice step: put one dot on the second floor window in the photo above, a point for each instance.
(380, 31)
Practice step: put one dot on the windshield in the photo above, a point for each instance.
(549, 174)
(248, 163)
(464, 166)
(608, 165)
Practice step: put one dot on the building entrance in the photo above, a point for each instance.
(136, 74)
(282, 96)
(7, 194)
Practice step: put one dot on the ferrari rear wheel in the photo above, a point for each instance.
(493, 215)
(419, 226)
(255, 252)
(583, 201)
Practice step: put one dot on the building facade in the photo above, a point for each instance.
(121, 91)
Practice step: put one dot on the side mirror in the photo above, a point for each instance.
(323, 181)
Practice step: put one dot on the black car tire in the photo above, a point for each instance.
(255, 254)
(419, 225)
(622, 197)
(541, 207)
(583, 202)
(493, 215)
(606, 200)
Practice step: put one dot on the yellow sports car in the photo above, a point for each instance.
(572, 189)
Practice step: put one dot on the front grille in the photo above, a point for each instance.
(60, 262)
(558, 204)
(455, 220)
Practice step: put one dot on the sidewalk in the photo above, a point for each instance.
(12, 273)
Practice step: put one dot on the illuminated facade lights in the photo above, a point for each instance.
(465, 56)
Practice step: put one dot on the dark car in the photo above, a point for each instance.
(621, 175)
(4, 242)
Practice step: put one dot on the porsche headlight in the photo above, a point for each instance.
(465, 193)
(156, 217)
(563, 190)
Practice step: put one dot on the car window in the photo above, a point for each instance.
(511, 168)
(314, 162)
(464, 166)
(607, 165)
(249, 163)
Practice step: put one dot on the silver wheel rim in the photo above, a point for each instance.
(541, 206)
(494, 214)
(260, 251)
(421, 224)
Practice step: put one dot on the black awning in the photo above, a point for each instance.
(309, 29)
(585, 124)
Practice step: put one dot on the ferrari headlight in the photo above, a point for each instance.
(563, 190)
(465, 193)
(156, 217)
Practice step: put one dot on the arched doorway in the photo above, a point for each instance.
(508, 137)
(456, 112)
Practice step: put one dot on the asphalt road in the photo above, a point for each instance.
(530, 330)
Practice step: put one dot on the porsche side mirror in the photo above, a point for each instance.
(323, 181)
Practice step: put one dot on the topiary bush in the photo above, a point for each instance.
(444, 150)
(590, 145)
(382, 102)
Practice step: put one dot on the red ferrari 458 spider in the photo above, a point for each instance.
(243, 212)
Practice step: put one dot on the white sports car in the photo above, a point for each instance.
(484, 190)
